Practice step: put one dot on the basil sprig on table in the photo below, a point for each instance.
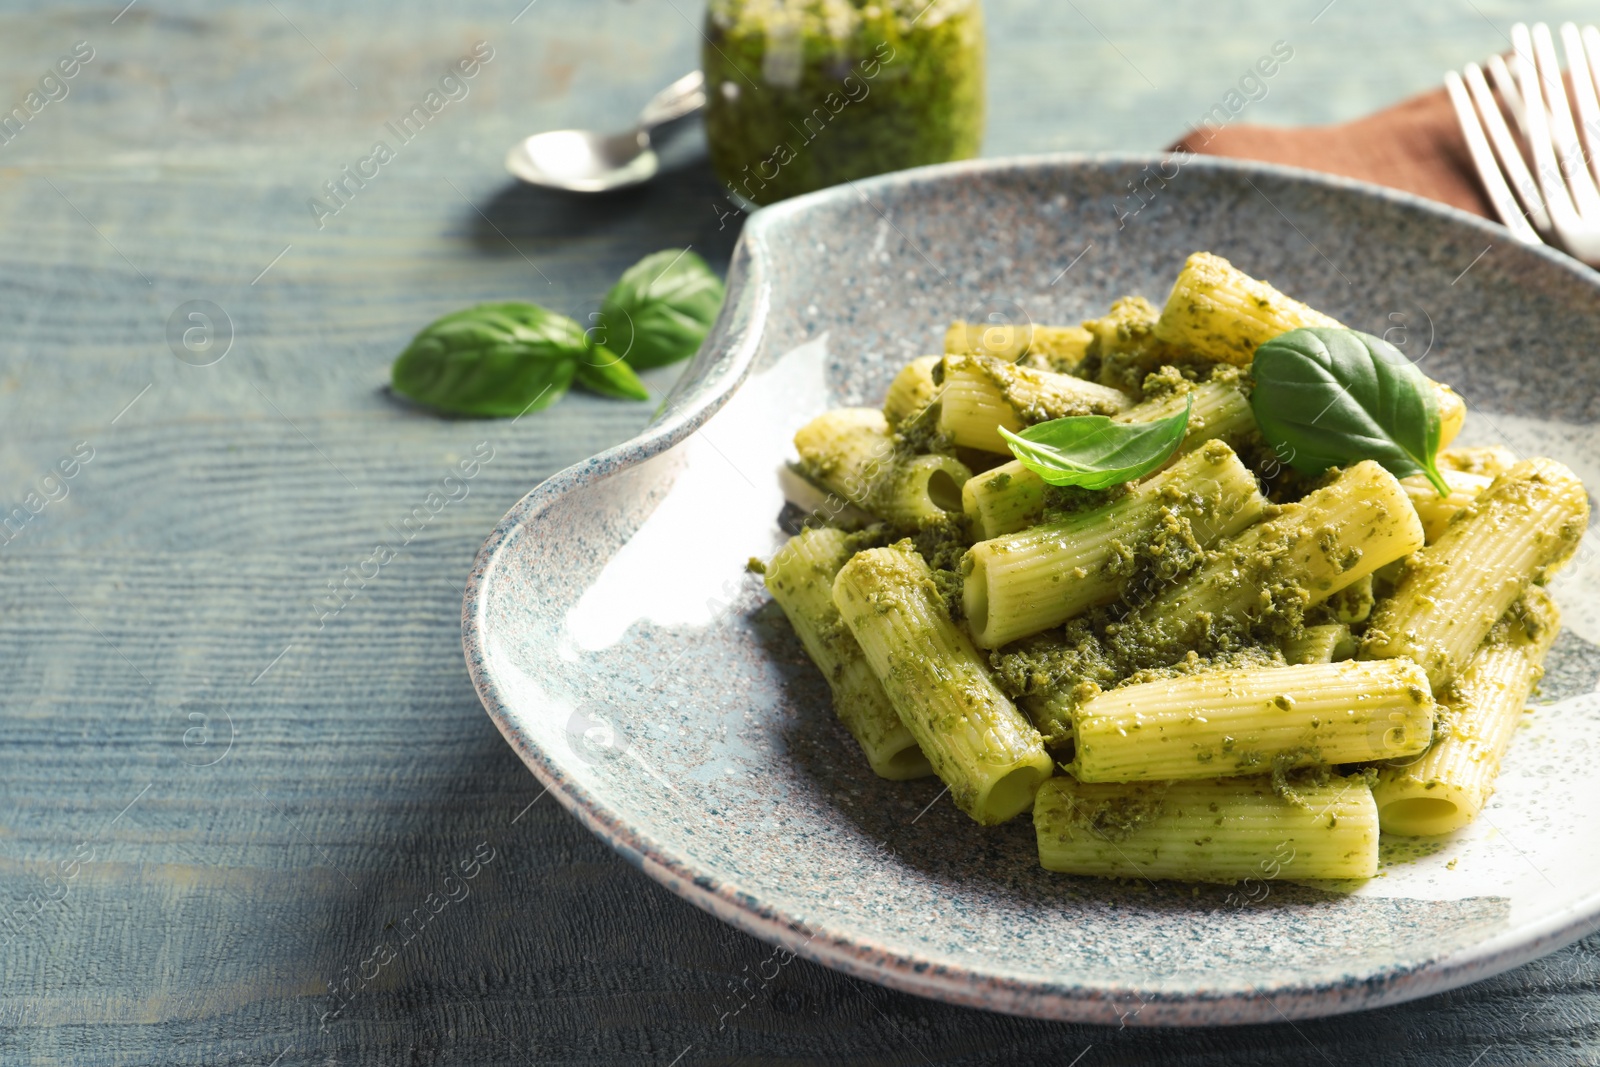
(1327, 397)
(491, 359)
(1096, 452)
(505, 359)
(661, 308)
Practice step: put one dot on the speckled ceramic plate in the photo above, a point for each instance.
(621, 648)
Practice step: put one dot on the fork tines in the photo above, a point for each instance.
(1557, 199)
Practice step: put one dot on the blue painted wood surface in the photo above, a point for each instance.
(227, 815)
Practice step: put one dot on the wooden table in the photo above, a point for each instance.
(218, 798)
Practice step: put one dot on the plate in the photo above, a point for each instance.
(644, 676)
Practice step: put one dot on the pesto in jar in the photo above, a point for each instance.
(803, 94)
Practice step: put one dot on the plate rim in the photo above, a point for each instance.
(715, 374)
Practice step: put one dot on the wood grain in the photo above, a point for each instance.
(217, 805)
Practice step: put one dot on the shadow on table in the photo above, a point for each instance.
(684, 206)
(565, 953)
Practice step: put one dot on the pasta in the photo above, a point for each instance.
(1332, 538)
(1223, 313)
(1222, 723)
(1436, 511)
(852, 452)
(1187, 659)
(1444, 789)
(1328, 642)
(800, 578)
(977, 741)
(983, 393)
(1030, 581)
(1519, 531)
(1012, 497)
(1047, 347)
(912, 390)
(1207, 831)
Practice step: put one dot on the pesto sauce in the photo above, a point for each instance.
(803, 94)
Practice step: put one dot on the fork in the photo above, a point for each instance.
(1557, 201)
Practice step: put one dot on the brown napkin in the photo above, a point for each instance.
(1416, 145)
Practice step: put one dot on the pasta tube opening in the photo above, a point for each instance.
(852, 452)
(1446, 788)
(1026, 582)
(1425, 816)
(977, 741)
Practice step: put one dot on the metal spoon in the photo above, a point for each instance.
(582, 161)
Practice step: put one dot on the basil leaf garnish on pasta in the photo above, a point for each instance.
(1327, 397)
(1094, 451)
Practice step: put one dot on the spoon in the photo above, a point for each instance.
(582, 161)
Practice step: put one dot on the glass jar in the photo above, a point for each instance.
(803, 94)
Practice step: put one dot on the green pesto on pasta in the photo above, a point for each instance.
(1228, 658)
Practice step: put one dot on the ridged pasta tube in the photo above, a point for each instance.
(1213, 724)
(1007, 341)
(983, 748)
(982, 393)
(1491, 461)
(1207, 831)
(1517, 532)
(912, 390)
(1055, 347)
(1011, 497)
(1310, 550)
(1220, 312)
(852, 452)
(1436, 511)
(1353, 603)
(1040, 577)
(1452, 412)
(800, 578)
(1003, 500)
(1327, 643)
(1447, 787)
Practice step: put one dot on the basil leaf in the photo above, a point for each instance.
(491, 360)
(1327, 397)
(1096, 452)
(661, 309)
(603, 372)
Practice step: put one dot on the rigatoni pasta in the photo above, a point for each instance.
(1446, 787)
(800, 578)
(1215, 724)
(983, 748)
(1313, 548)
(1207, 831)
(1037, 578)
(1011, 497)
(912, 390)
(852, 452)
(1436, 511)
(1188, 656)
(1518, 531)
(983, 393)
